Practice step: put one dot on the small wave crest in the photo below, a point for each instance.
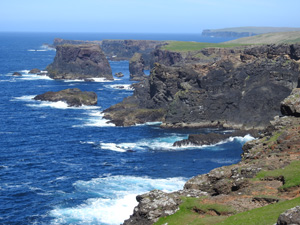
(95, 119)
(126, 87)
(115, 194)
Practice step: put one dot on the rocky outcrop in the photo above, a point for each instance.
(291, 216)
(136, 67)
(212, 138)
(125, 49)
(119, 74)
(60, 41)
(242, 90)
(291, 105)
(17, 74)
(79, 62)
(234, 186)
(34, 71)
(73, 97)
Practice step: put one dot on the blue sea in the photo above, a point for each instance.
(65, 165)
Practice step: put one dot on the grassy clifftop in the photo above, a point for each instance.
(256, 30)
(185, 46)
(269, 38)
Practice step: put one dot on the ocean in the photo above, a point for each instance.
(66, 165)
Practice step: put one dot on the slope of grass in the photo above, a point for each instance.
(290, 173)
(184, 46)
(188, 215)
(266, 215)
(269, 38)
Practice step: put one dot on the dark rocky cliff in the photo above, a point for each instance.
(79, 62)
(240, 90)
(136, 66)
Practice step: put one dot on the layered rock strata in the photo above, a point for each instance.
(241, 90)
(79, 62)
(73, 97)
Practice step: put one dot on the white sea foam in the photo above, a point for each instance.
(34, 77)
(126, 87)
(116, 194)
(95, 119)
(166, 144)
(25, 98)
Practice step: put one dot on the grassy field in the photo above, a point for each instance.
(269, 38)
(256, 30)
(185, 46)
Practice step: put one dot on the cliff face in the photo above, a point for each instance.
(209, 33)
(79, 62)
(241, 90)
(125, 49)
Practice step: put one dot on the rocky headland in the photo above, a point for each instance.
(266, 177)
(73, 97)
(240, 89)
(79, 62)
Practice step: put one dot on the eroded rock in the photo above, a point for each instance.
(73, 97)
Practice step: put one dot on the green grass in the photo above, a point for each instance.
(183, 46)
(187, 214)
(290, 173)
(266, 215)
(275, 137)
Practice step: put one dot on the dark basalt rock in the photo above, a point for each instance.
(34, 71)
(73, 97)
(291, 216)
(136, 66)
(119, 74)
(17, 74)
(242, 90)
(79, 62)
(291, 105)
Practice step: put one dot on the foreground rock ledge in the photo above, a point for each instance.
(73, 97)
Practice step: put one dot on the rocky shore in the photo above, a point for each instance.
(266, 177)
(73, 97)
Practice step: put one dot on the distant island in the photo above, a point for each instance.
(238, 32)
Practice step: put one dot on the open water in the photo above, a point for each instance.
(62, 165)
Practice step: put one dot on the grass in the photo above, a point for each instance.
(270, 38)
(184, 46)
(290, 173)
(187, 214)
(266, 215)
(275, 137)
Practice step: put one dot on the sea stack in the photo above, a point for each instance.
(79, 62)
(73, 97)
(136, 67)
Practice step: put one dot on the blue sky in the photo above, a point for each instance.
(144, 16)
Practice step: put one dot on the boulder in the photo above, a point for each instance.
(34, 71)
(73, 97)
(291, 216)
(79, 62)
(119, 74)
(17, 74)
(136, 66)
(290, 106)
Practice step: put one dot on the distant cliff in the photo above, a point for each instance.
(242, 89)
(117, 50)
(79, 62)
(239, 32)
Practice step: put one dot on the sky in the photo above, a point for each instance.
(144, 16)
